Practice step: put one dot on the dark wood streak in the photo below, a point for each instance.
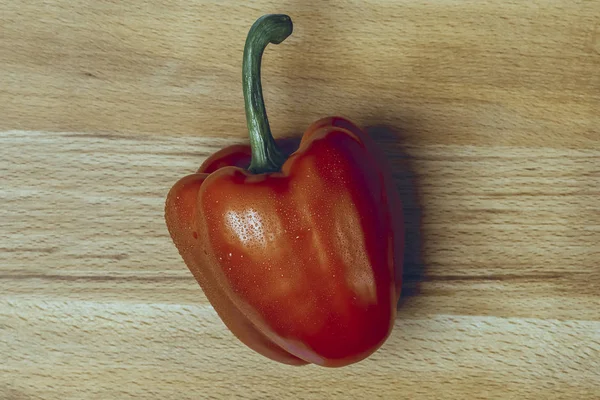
(97, 278)
(496, 277)
(188, 153)
(111, 136)
(90, 75)
(509, 195)
(487, 157)
(107, 136)
(46, 250)
(120, 256)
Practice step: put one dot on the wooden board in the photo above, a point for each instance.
(489, 112)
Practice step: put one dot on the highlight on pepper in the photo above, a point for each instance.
(300, 256)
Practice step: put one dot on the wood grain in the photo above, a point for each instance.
(489, 112)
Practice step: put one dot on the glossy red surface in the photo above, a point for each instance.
(302, 265)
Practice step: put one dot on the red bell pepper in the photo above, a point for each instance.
(300, 257)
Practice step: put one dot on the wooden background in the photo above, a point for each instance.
(489, 111)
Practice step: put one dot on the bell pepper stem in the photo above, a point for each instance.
(271, 28)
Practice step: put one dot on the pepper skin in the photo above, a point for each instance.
(300, 257)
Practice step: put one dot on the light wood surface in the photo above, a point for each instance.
(489, 111)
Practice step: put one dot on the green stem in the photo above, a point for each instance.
(273, 28)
